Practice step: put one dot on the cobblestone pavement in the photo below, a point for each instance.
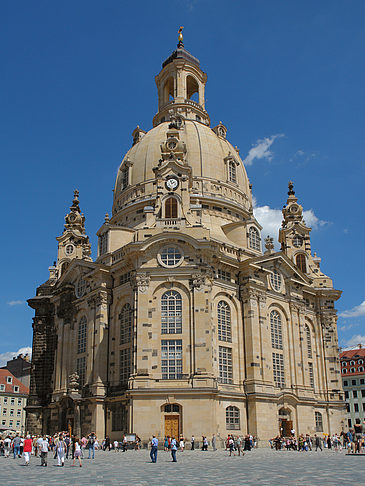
(258, 467)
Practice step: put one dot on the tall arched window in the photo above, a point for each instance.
(171, 313)
(254, 239)
(301, 262)
(232, 418)
(125, 319)
(309, 341)
(171, 208)
(124, 178)
(224, 322)
(82, 336)
(232, 172)
(276, 330)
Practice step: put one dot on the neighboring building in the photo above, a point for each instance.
(353, 380)
(13, 400)
(183, 324)
(20, 367)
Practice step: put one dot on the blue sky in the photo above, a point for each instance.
(286, 78)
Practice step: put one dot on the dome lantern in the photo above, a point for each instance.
(181, 87)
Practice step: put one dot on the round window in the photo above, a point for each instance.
(170, 256)
(297, 241)
(69, 249)
(171, 145)
(275, 279)
(80, 288)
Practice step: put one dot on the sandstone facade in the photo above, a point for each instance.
(184, 324)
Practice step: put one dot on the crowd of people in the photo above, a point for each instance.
(351, 442)
(61, 445)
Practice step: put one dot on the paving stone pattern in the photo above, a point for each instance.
(258, 467)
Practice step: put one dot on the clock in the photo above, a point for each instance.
(172, 183)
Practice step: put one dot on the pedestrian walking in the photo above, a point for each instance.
(192, 442)
(77, 452)
(154, 446)
(27, 449)
(61, 449)
(91, 444)
(317, 442)
(231, 445)
(44, 448)
(182, 444)
(16, 446)
(214, 443)
(173, 449)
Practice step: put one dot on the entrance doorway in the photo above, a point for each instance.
(172, 426)
(285, 422)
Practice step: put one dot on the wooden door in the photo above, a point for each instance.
(287, 426)
(172, 426)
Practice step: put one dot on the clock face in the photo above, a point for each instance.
(172, 183)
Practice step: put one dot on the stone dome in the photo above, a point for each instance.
(206, 153)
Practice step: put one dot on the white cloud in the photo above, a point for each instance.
(15, 302)
(271, 218)
(4, 357)
(261, 150)
(358, 310)
(346, 327)
(354, 341)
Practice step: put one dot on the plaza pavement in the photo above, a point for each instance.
(133, 468)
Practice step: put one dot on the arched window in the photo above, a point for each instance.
(125, 178)
(232, 171)
(171, 208)
(232, 418)
(171, 313)
(192, 88)
(82, 336)
(301, 262)
(224, 322)
(309, 341)
(169, 90)
(254, 239)
(125, 318)
(360, 369)
(276, 330)
(319, 421)
(344, 371)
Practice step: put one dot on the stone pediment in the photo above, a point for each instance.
(280, 262)
(74, 271)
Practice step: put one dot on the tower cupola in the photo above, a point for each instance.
(181, 87)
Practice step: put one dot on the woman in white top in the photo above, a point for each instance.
(77, 451)
(182, 444)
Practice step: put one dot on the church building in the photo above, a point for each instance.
(186, 322)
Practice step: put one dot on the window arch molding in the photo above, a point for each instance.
(171, 206)
(276, 329)
(224, 320)
(301, 261)
(254, 238)
(171, 312)
(125, 318)
(309, 339)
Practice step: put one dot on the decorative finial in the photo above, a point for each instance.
(269, 244)
(181, 39)
(291, 191)
(75, 202)
(106, 218)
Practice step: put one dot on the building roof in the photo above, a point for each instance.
(356, 368)
(9, 387)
